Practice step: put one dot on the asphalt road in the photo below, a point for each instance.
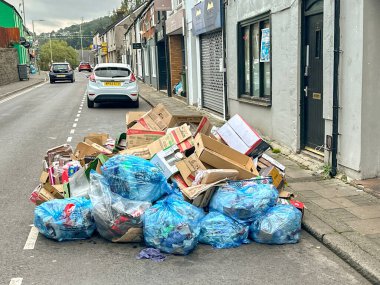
(45, 117)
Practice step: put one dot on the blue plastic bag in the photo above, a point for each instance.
(280, 224)
(135, 178)
(65, 219)
(172, 226)
(117, 219)
(243, 204)
(221, 231)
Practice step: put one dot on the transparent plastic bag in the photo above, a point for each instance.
(65, 219)
(243, 204)
(172, 226)
(280, 224)
(135, 178)
(221, 231)
(117, 219)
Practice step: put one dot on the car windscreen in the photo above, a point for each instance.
(112, 72)
(60, 67)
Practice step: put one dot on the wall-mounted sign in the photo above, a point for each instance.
(206, 16)
(163, 5)
(136, 46)
(265, 45)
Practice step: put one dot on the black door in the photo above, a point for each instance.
(162, 72)
(314, 126)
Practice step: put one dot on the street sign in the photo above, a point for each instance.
(136, 46)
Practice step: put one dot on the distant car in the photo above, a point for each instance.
(84, 66)
(112, 82)
(61, 71)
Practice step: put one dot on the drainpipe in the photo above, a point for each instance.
(223, 15)
(335, 127)
(169, 82)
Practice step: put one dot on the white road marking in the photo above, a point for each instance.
(16, 281)
(74, 125)
(69, 139)
(21, 93)
(80, 108)
(79, 111)
(78, 115)
(76, 120)
(72, 131)
(32, 238)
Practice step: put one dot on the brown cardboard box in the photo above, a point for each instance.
(200, 195)
(179, 180)
(188, 168)
(221, 156)
(131, 118)
(142, 152)
(89, 149)
(138, 138)
(157, 119)
(213, 175)
(56, 191)
(277, 178)
(178, 120)
(204, 127)
(98, 138)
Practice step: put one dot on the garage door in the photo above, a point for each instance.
(212, 78)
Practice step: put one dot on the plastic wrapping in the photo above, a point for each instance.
(117, 219)
(280, 224)
(172, 226)
(221, 231)
(135, 178)
(65, 219)
(245, 203)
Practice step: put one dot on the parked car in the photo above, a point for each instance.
(61, 71)
(112, 82)
(84, 66)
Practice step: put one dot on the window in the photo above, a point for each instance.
(255, 59)
(153, 54)
(112, 72)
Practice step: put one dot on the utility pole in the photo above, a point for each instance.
(23, 11)
(51, 50)
(81, 38)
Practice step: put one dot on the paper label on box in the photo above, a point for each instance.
(228, 134)
(244, 131)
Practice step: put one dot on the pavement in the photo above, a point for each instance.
(344, 218)
(34, 79)
(37, 119)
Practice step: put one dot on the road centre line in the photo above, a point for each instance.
(32, 238)
(16, 281)
(69, 139)
(76, 120)
(78, 115)
(72, 131)
(74, 125)
(79, 111)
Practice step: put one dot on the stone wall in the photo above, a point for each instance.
(8, 66)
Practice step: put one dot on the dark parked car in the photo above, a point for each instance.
(61, 72)
(84, 66)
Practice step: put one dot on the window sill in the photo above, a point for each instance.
(254, 101)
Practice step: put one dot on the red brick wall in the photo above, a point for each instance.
(175, 56)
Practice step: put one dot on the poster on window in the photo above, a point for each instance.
(265, 45)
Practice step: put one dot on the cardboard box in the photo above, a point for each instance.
(178, 120)
(137, 138)
(64, 150)
(188, 168)
(166, 160)
(221, 156)
(212, 175)
(142, 152)
(200, 195)
(131, 118)
(98, 138)
(272, 161)
(204, 127)
(239, 135)
(89, 148)
(157, 119)
(277, 178)
(55, 191)
(177, 178)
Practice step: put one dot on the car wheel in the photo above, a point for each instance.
(90, 104)
(72, 80)
(136, 104)
(52, 81)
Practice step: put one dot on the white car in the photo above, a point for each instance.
(112, 82)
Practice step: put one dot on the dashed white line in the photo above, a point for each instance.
(69, 139)
(79, 111)
(72, 131)
(74, 125)
(80, 108)
(32, 238)
(16, 281)
(78, 115)
(76, 120)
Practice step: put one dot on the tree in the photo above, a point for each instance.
(126, 8)
(61, 52)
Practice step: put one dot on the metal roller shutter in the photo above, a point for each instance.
(212, 78)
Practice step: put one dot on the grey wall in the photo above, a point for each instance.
(281, 120)
(8, 66)
(370, 124)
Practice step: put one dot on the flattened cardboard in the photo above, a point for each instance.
(273, 162)
(204, 127)
(89, 149)
(221, 156)
(131, 118)
(98, 138)
(132, 235)
(157, 119)
(200, 195)
(188, 168)
(138, 138)
(214, 175)
(142, 152)
(177, 178)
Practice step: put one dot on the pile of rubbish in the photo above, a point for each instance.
(170, 181)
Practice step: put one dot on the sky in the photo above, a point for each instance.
(62, 13)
